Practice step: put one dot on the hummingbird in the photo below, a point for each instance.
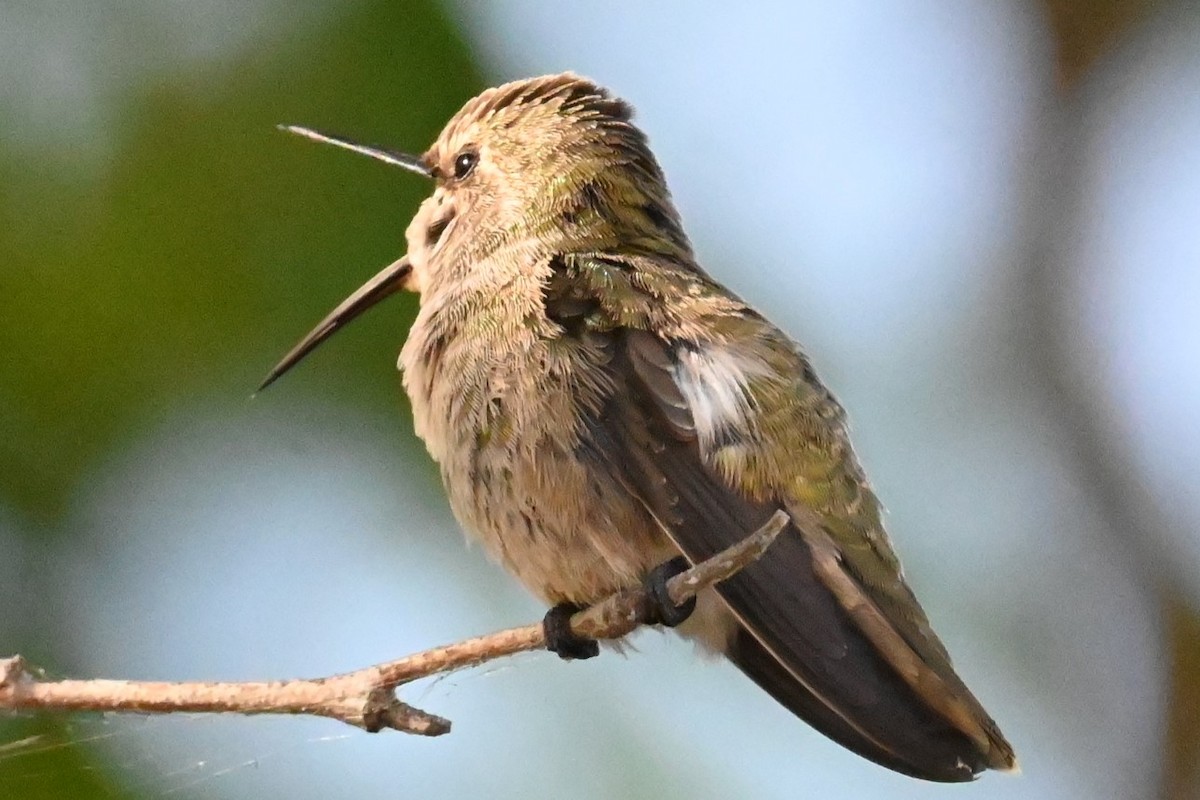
(605, 413)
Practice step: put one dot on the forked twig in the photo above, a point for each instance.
(366, 698)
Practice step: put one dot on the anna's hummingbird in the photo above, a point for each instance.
(602, 409)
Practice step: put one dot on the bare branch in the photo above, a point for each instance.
(366, 698)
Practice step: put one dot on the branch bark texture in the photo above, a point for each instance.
(366, 698)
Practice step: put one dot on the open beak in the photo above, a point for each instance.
(389, 281)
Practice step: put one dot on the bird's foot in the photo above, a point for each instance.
(661, 609)
(561, 640)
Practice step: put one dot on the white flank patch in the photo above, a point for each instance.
(714, 382)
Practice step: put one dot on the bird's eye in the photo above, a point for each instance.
(465, 164)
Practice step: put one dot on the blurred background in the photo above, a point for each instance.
(981, 218)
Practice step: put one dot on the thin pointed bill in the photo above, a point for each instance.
(389, 281)
(397, 159)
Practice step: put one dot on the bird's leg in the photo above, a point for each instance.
(561, 640)
(661, 609)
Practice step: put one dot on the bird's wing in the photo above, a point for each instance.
(715, 421)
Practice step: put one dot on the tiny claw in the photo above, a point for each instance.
(561, 640)
(661, 609)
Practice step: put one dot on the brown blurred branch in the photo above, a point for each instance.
(366, 698)
(1084, 33)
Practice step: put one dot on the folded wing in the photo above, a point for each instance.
(705, 433)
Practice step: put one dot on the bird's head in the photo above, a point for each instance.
(551, 163)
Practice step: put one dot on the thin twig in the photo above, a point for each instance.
(366, 698)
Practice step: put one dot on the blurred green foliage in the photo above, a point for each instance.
(185, 263)
(184, 268)
(41, 761)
